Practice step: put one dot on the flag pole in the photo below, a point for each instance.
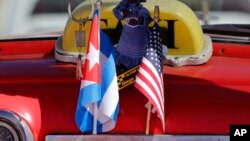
(97, 6)
(148, 118)
(95, 119)
(156, 19)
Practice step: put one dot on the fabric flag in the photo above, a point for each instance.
(99, 84)
(149, 79)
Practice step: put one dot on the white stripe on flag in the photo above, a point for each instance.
(85, 83)
(109, 125)
(109, 101)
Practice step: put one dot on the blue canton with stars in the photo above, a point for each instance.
(154, 49)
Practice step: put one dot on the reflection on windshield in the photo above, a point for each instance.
(221, 11)
(220, 5)
(46, 16)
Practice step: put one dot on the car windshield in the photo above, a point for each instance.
(50, 16)
(221, 11)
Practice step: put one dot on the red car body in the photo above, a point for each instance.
(199, 100)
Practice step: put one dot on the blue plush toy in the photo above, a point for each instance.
(135, 34)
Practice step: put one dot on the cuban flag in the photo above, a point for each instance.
(99, 83)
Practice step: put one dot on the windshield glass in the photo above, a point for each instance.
(38, 17)
(221, 11)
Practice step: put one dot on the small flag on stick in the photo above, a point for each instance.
(98, 101)
(149, 79)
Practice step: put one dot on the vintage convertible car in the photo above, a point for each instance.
(206, 81)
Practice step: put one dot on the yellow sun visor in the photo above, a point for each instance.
(180, 30)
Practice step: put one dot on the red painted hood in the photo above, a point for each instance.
(202, 99)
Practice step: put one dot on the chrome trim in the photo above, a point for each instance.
(136, 138)
(19, 124)
(66, 56)
(172, 60)
(10, 129)
(230, 39)
(81, 21)
(182, 60)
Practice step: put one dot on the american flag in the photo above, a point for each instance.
(149, 79)
(99, 84)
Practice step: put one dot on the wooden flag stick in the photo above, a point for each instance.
(148, 118)
(157, 14)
